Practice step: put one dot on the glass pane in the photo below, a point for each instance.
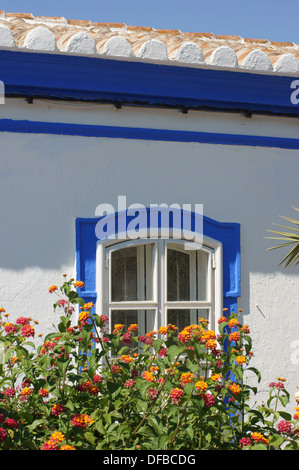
(145, 319)
(132, 273)
(178, 275)
(187, 274)
(182, 317)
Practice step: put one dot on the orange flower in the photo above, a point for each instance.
(211, 344)
(67, 447)
(163, 330)
(148, 376)
(176, 395)
(79, 284)
(201, 385)
(26, 391)
(233, 322)
(88, 306)
(222, 320)
(215, 377)
(257, 436)
(81, 421)
(235, 389)
(133, 327)
(187, 378)
(240, 360)
(235, 336)
(52, 289)
(83, 316)
(127, 359)
(117, 328)
(57, 436)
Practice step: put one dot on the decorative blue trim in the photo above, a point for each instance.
(85, 130)
(226, 233)
(60, 76)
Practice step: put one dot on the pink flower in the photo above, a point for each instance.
(163, 352)
(245, 441)
(129, 383)
(10, 392)
(97, 378)
(152, 393)
(23, 321)
(176, 395)
(127, 338)
(3, 434)
(27, 331)
(50, 445)
(11, 423)
(10, 328)
(208, 398)
(57, 409)
(284, 427)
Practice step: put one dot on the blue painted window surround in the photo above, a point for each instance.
(228, 234)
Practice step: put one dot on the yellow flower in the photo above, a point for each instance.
(79, 284)
(57, 436)
(148, 376)
(201, 385)
(26, 391)
(83, 316)
(257, 436)
(215, 377)
(88, 306)
(235, 389)
(162, 330)
(233, 322)
(126, 358)
(187, 377)
(240, 359)
(67, 447)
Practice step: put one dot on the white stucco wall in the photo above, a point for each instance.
(47, 181)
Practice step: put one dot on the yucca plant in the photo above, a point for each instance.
(290, 239)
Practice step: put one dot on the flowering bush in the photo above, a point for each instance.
(82, 387)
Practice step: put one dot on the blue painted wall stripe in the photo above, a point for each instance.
(84, 130)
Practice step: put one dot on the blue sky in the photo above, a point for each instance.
(275, 20)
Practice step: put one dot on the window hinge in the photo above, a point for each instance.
(107, 260)
(213, 261)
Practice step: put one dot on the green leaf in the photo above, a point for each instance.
(256, 371)
(285, 415)
(36, 423)
(276, 440)
(173, 351)
(157, 344)
(89, 436)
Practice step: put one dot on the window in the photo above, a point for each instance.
(157, 282)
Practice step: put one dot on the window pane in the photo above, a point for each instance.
(145, 319)
(178, 275)
(132, 273)
(184, 317)
(187, 274)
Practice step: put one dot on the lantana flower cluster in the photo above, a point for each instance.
(85, 386)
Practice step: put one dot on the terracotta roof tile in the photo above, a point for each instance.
(144, 43)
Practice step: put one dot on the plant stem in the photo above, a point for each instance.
(158, 394)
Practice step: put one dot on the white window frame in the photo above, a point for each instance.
(159, 303)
